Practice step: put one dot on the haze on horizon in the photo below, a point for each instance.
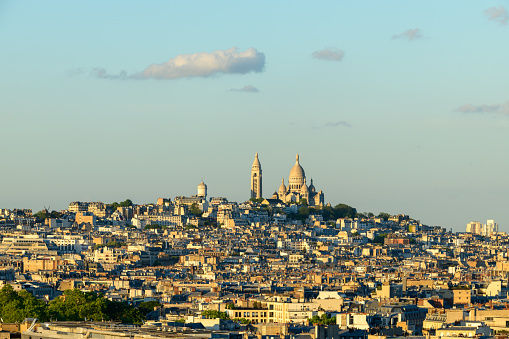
(393, 107)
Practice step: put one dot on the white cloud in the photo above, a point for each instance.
(230, 61)
(247, 88)
(101, 73)
(338, 124)
(205, 64)
(409, 34)
(485, 109)
(331, 54)
(498, 14)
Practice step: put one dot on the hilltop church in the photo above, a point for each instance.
(296, 190)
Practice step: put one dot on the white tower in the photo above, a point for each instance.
(202, 190)
(256, 178)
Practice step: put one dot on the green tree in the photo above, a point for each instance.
(344, 211)
(16, 306)
(115, 244)
(148, 306)
(242, 320)
(211, 314)
(76, 305)
(379, 239)
(126, 203)
(195, 210)
(152, 227)
(44, 214)
(304, 211)
(322, 320)
(384, 216)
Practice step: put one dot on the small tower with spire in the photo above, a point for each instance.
(256, 178)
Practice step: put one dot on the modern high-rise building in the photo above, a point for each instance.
(487, 229)
(256, 178)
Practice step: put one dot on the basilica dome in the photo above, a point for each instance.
(297, 176)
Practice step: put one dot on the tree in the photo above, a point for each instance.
(16, 306)
(77, 305)
(125, 203)
(195, 210)
(148, 306)
(304, 211)
(344, 211)
(45, 214)
(74, 306)
(322, 320)
(379, 239)
(211, 314)
(230, 306)
(384, 216)
(303, 202)
(115, 244)
(242, 320)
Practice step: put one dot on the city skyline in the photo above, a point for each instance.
(398, 108)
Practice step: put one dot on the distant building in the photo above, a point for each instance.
(256, 178)
(85, 218)
(475, 227)
(395, 239)
(297, 188)
(200, 200)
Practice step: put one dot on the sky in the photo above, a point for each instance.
(393, 106)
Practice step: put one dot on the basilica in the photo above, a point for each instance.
(296, 190)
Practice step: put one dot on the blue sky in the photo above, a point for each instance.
(393, 106)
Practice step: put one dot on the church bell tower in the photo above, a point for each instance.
(256, 178)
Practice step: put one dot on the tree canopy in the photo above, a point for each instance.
(379, 239)
(211, 314)
(322, 320)
(74, 305)
(147, 306)
(45, 214)
(125, 203)
(338, 211)
(384, 216)
(195, 210)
